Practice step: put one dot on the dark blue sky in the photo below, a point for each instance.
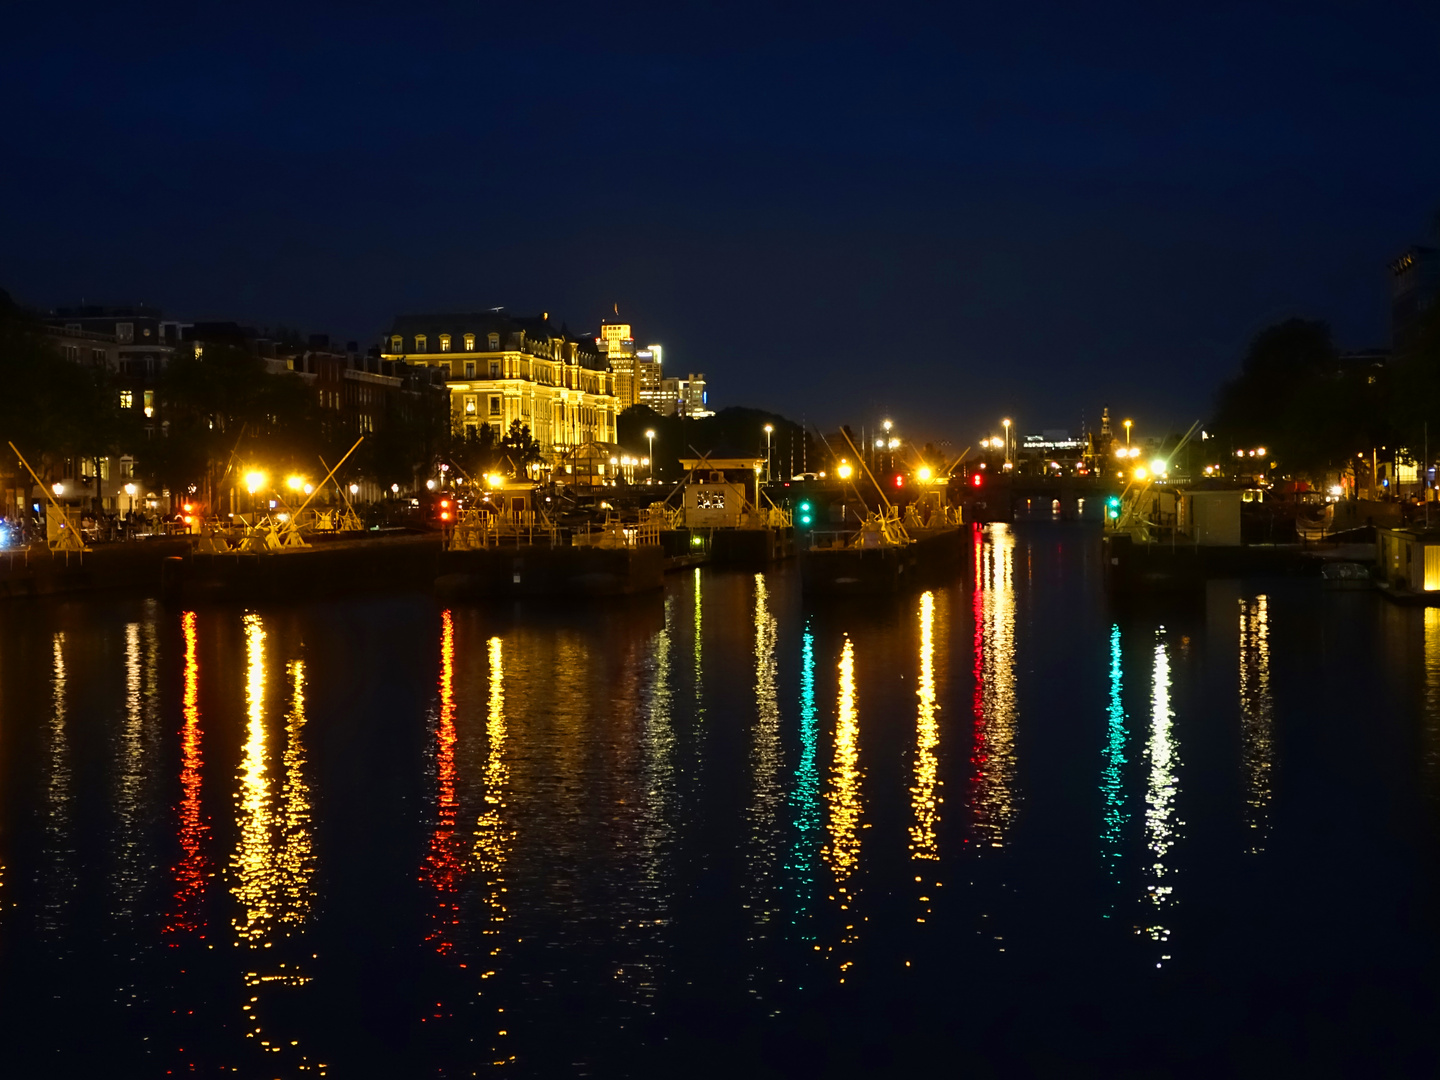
(943, 213)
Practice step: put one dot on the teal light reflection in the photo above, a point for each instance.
(805, 798)
(1111, 780)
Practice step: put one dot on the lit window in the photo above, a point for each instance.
(149, 402)
(127, 399)
(469, 342)
(444, 342)
(470, 405)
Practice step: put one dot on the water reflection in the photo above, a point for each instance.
(59, 841)
(1431, 748)
(131, 869)
(766, 792)
(805, 795)
(994, 696)
(191, 872)
(924, 796)
(1257, 717)
(492, 833)
(1161, 825)
(1111, 773)
(842, 853)
(444, 862)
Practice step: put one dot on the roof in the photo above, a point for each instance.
(514, 330)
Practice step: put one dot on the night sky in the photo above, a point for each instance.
(943, 213)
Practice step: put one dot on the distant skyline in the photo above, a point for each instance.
(835, 212)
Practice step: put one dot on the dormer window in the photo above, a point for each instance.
(396, 343)
(444, 342)
(494, 342)
(420, 343)
(469, 342)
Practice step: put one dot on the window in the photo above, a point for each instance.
(444, 342)
(419, 342)
(127, 399)
(494, 342)
(470, 404)
(396, 344)
(471, 432)
(97, 356)
(469, 342)
(72, 353)
(494, 369)
(494, 404)
(469, 369)
(149, 402)
(125, 331)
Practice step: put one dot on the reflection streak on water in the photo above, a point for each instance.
(765, 762)
(657, 830)
(492, 837)
(842, 853)
(1257, 717)
(805, 797)
(444, 864)
(58, 795)
(129, 775)
(1111, 774)
(1161, 825)
(253, 856)
(273, 861)
(994, 700)
(296, 864)
(191, 872)
(1431, 748)
(924, 795)
(699, 641)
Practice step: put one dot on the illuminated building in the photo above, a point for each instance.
(648, 375)
(685, 397)
(501, 369)
(618, 347)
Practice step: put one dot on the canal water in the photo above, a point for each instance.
(998, 826)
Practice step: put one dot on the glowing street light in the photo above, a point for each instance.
(58, 488)
(924, 474)
(295, 483)
(844, 471)
(1127, 431)
(254, 481)
(650, 435)
(1006, 424)
(769, 428)
(354, 489)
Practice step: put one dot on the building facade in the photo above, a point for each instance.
(500, 369)
(684, 397)
(1414, 286)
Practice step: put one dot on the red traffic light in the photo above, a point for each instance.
(977, 479)
(899, 481)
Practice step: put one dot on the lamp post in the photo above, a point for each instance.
(769, 428)
(650, 436)
(1006, 422)
(1127, 431)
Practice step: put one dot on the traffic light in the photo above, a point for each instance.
(805, 513)
(899, 481)
(977, 479)
(1112, 507)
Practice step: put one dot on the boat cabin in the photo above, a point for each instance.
(1409, 558)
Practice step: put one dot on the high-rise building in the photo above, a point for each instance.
(1414, 286)
(617, 345)
(685, 397)
(648, 376)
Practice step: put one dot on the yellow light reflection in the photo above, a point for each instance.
(192, 871)
(1161, 825)
(254, 882)
(699, 640)
(296, 863)
(994, 708)
(842, 852)
(1431, 748)
(492, 836)
(1256, 717)
(765, 760)
(924, 795)
(58, 843)
(444, 863)
(129, 777)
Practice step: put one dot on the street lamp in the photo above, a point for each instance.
(1006, 422)
(769, 428)
(650, 435)
(1127, 431)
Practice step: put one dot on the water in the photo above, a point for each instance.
(995, 826)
